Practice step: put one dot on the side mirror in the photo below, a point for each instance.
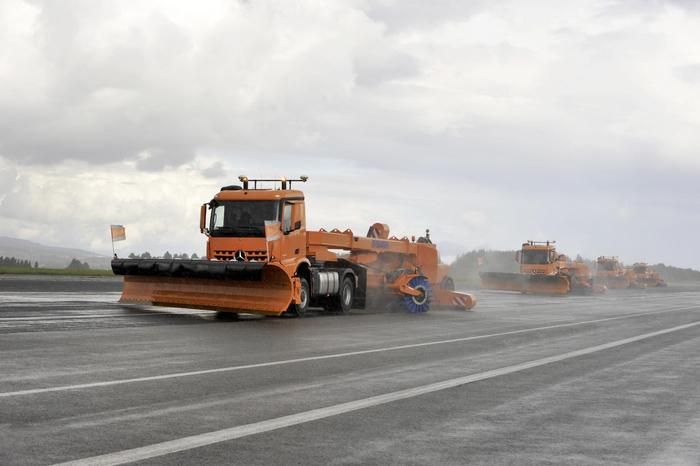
(517, 256)
(203, 218)
(297, 215)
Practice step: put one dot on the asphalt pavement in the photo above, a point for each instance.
(603, 379)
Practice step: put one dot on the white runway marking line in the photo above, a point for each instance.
(34, 391)
(224, 435)
(74, 317)
(102, 316)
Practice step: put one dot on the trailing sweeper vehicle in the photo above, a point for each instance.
(261, 259)
(542, 271)
(644, 276)
(611, 273)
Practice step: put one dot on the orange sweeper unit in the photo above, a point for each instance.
(261, 259)
(611, 273)
(645, 276)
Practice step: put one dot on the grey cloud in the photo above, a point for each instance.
(689, 73)
(402, 15)
(8, 180)
(376, 67)
(215, 170)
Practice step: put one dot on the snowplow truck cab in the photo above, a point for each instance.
(539, 258)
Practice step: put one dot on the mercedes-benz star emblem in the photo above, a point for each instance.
(239, 256)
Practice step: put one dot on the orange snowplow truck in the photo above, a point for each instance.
(262, 260)
(644, 276)
(542, 271)
(611, 273)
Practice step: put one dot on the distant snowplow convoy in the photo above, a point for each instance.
(544, 271)
(612, 274)
(261, 259)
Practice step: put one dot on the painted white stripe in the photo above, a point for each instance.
(175, 375)
(209, 438)
(75, 317)
(154, 312)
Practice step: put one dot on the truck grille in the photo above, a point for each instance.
(251, 256)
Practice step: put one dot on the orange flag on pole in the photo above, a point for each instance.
(118, 233)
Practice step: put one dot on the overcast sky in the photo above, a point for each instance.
(488, 122)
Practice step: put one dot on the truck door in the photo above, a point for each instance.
(294, 231)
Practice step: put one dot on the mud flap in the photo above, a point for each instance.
(270, 294)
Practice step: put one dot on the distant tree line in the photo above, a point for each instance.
(14, 262)
(75, 264)
(167, 255)
(676, 275)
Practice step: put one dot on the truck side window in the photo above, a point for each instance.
(287, 218)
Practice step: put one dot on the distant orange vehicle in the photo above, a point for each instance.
(262, 259)
(611, 273)
(645, 276)
(542, 271)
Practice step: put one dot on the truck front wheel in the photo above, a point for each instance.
(300, 309)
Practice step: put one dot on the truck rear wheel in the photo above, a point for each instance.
(346, 295)
(447, 284)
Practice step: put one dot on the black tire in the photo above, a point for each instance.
(226, 316)
(299, 310)
(346, 295)
(447, 284)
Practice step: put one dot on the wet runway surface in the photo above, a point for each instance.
(605, 379)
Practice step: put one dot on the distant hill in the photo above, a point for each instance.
(50, 256)
(465, 269)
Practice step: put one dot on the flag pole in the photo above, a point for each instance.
(121, 236)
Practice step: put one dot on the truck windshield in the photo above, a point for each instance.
(610, 266)
(535, 256)
(242, 218)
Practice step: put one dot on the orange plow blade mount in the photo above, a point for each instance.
(453, 300)
(525, 283)
(268, 292)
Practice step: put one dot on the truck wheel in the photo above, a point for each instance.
(447, 284)
(346, 295)
(300, 309)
